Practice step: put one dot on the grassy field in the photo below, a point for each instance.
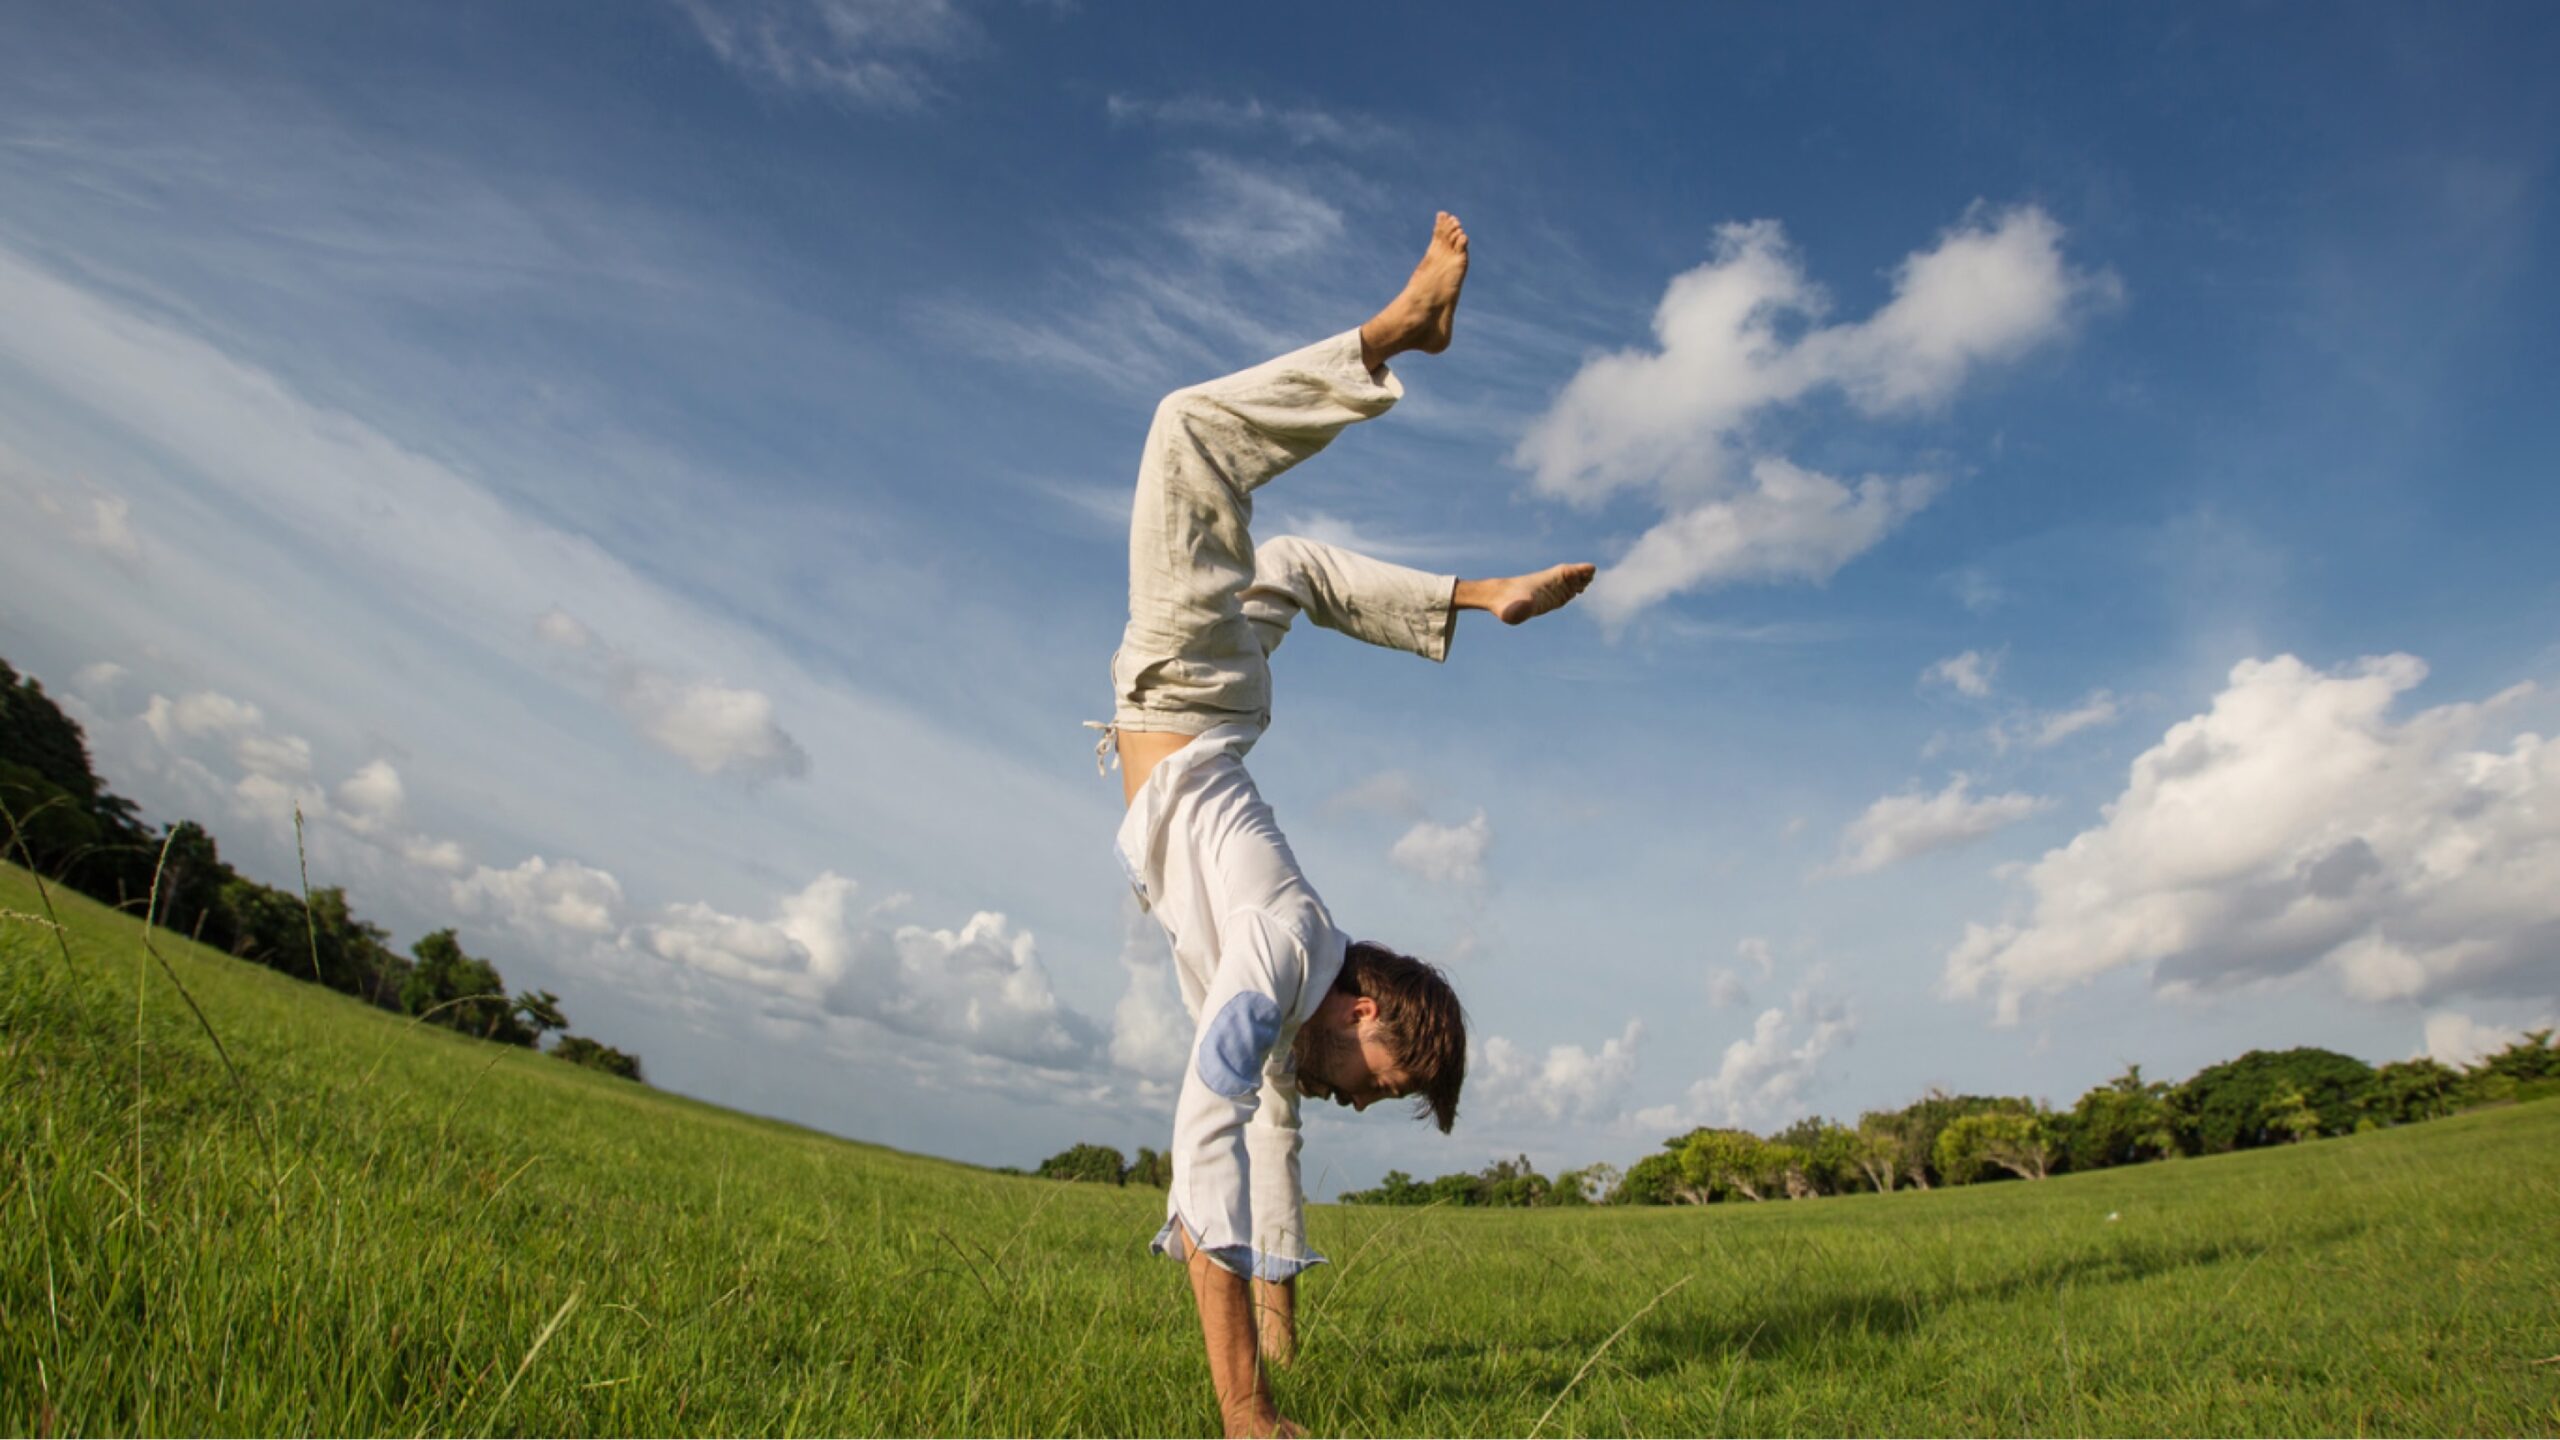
(382, 1228)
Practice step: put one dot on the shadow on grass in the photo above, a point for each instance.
(1784, 1326)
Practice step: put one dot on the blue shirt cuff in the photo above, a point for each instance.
(1242, 1259)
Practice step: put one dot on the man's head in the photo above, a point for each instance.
(1391, 1027)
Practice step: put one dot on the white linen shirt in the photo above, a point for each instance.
(1256, 952)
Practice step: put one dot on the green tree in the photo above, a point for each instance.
(2016, 1140)
(2123, 1122)
(2407, 1091)
(1152, 1167)
(538, 1013)
(2224, 1107)
(2288, 1115)
(1722, 1163)
(457, 989)
(579, 1050)
(1653, 1180)
(1877, 1151)
(1586, 1186)
(1086, 1164)
(1830, 1165)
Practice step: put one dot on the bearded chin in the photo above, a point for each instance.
(1315, 1051)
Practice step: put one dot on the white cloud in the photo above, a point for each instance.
(2456, 1039)
(98, 682)
(1763, 1077)
(2044, 729)
(717, 729)
(1967, 674)
(1675, 418)
(867, 52)
(1725, 989)
(372, 799)
(2296, 824)
(1298, 124)
(543, 894)
(1788, 524)
(1446, 854)
(110, 529)
(1566, 1085)
(1241, 215)
(1898, 827)
(1150, 1035)
(1392, 793)
(980, 987)
(222, 749)
(2099, 709)
(1755, 951)
(1976, 590)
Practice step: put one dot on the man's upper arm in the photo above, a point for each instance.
(1214, 1185)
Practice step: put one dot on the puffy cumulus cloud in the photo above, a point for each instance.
(1446, 854)
(223, 749)
(872, 53)
(1898, 827)
(1787, 523)
(1730, 343)
(2294, 825)
(980, 987)
(1150, 1034)
(1763, 1077)
(543, 894)
(716, 729)
(372, 799)
(1568, 1084)
(1725, 989)
(2456, 1039)
(1967, 674)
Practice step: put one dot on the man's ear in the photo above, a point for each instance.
(1363, 1010)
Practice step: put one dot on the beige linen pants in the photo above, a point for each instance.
(1206, 606)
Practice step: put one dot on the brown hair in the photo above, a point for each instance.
(1422, 1020)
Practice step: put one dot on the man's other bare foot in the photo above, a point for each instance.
(1425, 313)
(1524, 597)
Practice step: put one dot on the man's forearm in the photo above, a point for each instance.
(1275, 1319)
(1226, 1324)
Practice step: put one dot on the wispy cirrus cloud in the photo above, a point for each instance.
(877, 54)
(1249, 116)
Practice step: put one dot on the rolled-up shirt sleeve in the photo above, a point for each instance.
(1235, 1127)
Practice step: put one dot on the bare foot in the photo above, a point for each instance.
(1423, 315)
(1524, 597)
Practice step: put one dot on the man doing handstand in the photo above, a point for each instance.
(1284, 1003)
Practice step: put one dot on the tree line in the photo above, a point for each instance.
(2266, 1097)
(63, 823)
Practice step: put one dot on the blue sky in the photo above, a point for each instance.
(648, 480)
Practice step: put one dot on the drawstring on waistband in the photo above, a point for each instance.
(1106, 751)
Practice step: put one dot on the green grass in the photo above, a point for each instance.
(382, 1228)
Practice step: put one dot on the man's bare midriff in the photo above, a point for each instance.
(1141, 751)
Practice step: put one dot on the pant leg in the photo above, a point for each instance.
(1189, 659)
(1367, 599)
